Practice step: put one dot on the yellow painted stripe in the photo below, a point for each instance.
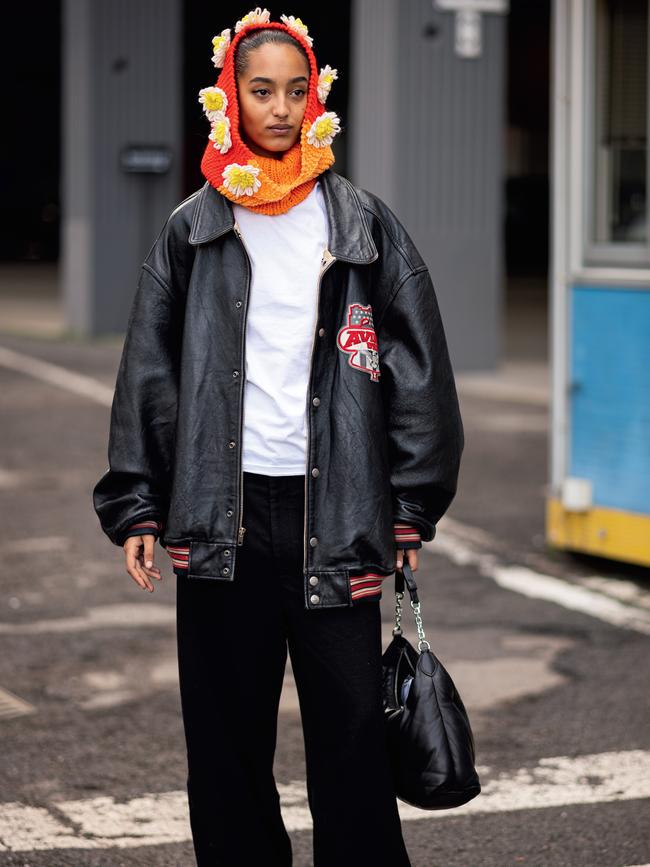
(612, 533)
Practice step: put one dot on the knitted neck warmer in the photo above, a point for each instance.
(267, 185)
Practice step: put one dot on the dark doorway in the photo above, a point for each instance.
(30, 68)
(527, 178)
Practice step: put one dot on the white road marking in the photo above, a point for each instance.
(538, 586)
(153, 819)
(451, 541)
(10, 479)
(618, 588)
(517, 382)
(36, 545)
(54, 374)
(12, 705)
(506, 422)
(121, 614)
(24, 829)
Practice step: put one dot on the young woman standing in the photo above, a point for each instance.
(369, 407)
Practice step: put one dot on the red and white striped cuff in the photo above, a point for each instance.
(407, 536)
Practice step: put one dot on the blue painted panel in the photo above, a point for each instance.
(610, 398)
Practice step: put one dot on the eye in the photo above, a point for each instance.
(262, 90)
(300, 91)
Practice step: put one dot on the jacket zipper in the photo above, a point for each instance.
(241, 530)
(327, 260)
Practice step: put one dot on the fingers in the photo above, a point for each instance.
(135, 567)
(131, 549)
(411, 557)
(149, 544)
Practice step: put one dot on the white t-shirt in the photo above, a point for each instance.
(286, 252)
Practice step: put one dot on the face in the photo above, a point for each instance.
(272, 98)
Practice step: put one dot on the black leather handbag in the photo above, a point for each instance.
(431, 745)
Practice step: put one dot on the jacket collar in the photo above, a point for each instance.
(350, 236)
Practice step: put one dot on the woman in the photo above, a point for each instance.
(284, 320)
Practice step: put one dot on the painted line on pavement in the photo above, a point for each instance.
(54, 374)
(127, 614)
(451, 541)
(159, 818)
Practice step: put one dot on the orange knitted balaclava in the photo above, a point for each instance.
(265, 184)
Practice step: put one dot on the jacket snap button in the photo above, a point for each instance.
(229, 513)
(235, 373)
(315, 472)
(226, 570)
(237, 303)
(313, 580)
(321, 331)
(231, 444)
(313, 541)
(316, 401)
(226, 553)
(314, 598)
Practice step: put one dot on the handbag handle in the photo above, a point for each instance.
(405, 574)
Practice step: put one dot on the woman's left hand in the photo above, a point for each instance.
(411, 556)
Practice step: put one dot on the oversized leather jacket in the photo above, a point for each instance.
(385, 434)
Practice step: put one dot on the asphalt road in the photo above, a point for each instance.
(549, 651)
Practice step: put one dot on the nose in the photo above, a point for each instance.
(280, 109)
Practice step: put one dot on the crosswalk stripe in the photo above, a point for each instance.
(158, 818)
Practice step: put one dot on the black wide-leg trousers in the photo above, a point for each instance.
(233, 638)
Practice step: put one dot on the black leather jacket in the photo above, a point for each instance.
(385, 434)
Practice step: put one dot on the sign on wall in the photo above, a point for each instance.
(468, 33)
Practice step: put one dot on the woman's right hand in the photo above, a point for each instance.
(140, 560)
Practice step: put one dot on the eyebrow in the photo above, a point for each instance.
(272, 81)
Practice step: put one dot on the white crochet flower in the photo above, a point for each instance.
(325, 79)
(220, 45)
(296, 24)
(323, 129)
(220, 133)
(253, 17)
(241, 180)
(214, 101)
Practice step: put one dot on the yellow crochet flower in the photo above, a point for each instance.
(214, 101)
(323, 129)
(253, 17)
(296, 24)
(241, 180)
(325, 79)
(220, 134)
(220, 45)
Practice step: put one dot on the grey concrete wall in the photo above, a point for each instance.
(426, 130)
(122, 80)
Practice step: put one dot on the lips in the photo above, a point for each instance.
(281, 127)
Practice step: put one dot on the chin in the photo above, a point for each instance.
(278, 145)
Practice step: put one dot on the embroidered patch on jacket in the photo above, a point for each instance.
(359, 340)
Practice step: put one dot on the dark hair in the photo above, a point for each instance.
(258, 37)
